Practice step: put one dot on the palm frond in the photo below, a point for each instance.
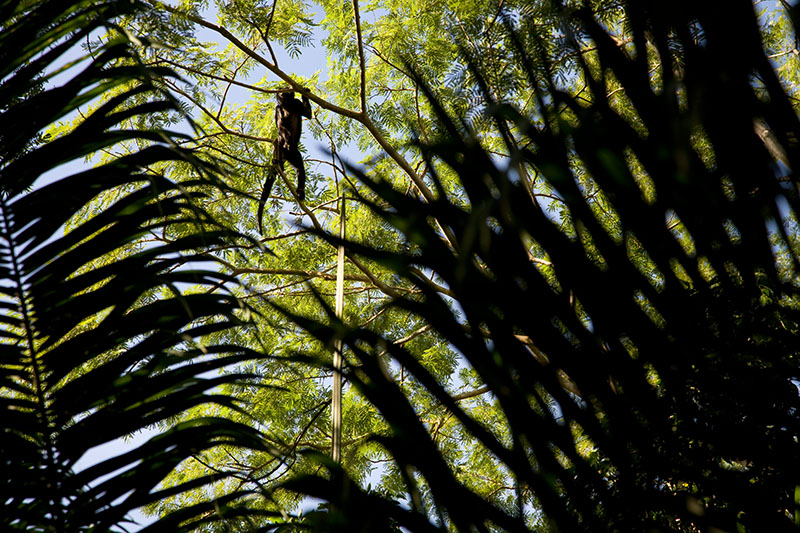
(647, 374)
(99, 332)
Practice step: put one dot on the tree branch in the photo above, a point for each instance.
(265, 35)
(361, 63)
(471, 394)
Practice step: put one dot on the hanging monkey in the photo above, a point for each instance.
(289, 113)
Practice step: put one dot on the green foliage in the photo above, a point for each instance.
(99, 337)
(653, 386)
(537, 290)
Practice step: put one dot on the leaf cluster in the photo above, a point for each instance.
(94, 350)
(646, 364)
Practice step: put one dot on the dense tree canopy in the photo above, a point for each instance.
(372, 115)
(572, 260)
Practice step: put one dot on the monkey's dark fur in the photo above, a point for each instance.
(289, 113)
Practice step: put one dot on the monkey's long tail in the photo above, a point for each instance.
(264, 196)
(301, 183)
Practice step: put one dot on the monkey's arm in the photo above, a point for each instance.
(306, 107)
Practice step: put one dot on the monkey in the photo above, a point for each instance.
(289, 113)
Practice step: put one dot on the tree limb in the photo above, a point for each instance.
(361, 63)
